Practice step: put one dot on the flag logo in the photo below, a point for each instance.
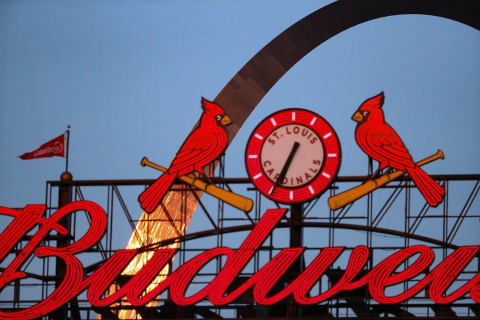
(52, 148)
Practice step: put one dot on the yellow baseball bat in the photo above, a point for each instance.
(233, 199)
(346, 197)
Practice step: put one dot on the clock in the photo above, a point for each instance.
(292, 156)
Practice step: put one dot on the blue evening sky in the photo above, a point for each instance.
(128, 77)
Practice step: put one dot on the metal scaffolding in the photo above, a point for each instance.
(386, 220)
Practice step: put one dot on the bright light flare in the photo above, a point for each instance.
(166, 222)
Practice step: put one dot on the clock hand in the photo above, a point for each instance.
(287, 164)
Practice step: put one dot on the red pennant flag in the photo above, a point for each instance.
(52, 148)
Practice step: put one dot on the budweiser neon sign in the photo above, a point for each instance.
(383, 275)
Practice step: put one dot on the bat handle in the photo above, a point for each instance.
(144, 161)
(147, 163)
(438, 155)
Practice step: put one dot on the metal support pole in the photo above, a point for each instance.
(294, 310)
(64, 198)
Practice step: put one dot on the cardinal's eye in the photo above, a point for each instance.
(218, 117)
(365, 113)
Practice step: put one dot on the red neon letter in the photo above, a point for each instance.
(103, 277)
(475, 293)
(239, 260)
(447, 271)
(381, 276)
(357, 260)
(70, 285)
(302, 285)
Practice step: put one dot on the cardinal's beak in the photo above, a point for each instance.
(225, 120)
(357, 116)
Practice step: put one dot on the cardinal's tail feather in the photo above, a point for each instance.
(151, 197)
(429, 188)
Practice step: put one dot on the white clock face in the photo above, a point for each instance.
(307, 158)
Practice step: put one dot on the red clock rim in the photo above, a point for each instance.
(330, 166)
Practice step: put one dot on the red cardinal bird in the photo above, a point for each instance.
(378, 140)
(201, 147)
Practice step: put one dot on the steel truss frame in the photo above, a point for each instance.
(366, 217)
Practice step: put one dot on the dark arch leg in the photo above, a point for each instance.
(247, 88)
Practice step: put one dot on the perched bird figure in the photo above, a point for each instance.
(201, 147)
(380, 141)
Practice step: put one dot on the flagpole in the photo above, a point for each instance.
(68, 146)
